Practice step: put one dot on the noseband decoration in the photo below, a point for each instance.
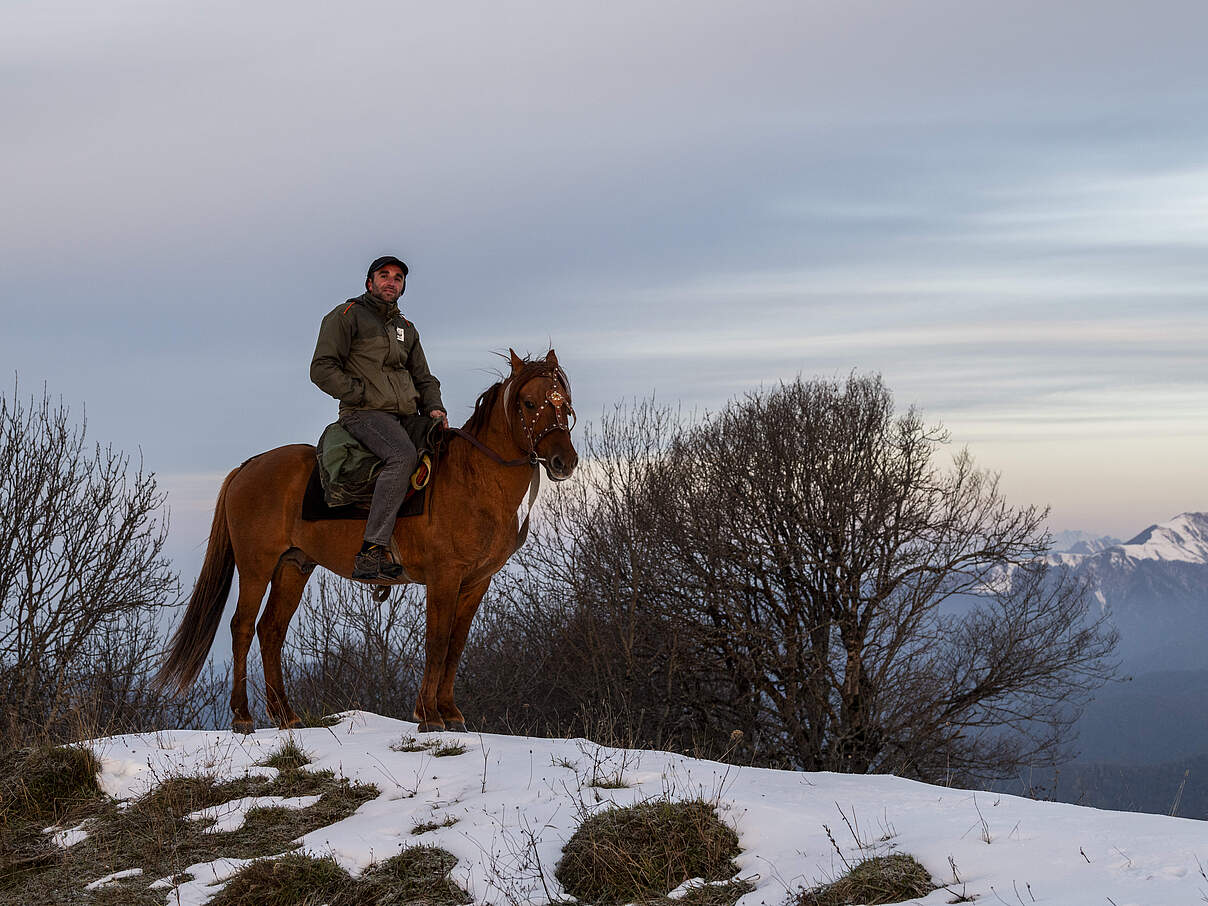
(563, 420)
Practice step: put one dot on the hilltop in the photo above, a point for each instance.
(504, 807)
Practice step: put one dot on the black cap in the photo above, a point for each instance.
(379, 263)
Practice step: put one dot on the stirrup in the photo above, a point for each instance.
(375, 564)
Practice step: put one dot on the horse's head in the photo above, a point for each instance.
(536, 401)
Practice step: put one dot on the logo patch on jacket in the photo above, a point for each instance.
(401, 333)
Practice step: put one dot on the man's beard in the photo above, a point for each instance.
(385, 299)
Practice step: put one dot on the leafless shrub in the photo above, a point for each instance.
(82, 577)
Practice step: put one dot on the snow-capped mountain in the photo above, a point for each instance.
(1185, 538)
(1155, 586)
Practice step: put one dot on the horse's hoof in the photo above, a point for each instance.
(246, 727)
(431, 726)
(456, 726)
(291, 724)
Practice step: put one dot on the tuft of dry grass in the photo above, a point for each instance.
(427, 826)
(45, 783)
(879, 880)
(417, 875)
(437, 748)
(289, 757)
(614, 782)
(643, 851)
(410, 744)
(319, 719)
(294, 879)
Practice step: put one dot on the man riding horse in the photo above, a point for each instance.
(368, 356)
(521, 424)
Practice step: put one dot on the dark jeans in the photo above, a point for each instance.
(383, 435)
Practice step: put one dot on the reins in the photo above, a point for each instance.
(530, 460)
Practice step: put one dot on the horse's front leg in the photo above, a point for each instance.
(443, 595)
(467, 605)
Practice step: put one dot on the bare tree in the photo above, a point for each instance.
(81, 572)
(805, 568)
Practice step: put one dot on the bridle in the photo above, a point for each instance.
(558, 398)
(564, 420)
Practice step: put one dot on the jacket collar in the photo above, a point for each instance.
(385, 312)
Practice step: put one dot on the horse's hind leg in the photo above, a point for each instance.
(289, 580)
(252, 583)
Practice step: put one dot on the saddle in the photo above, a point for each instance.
(342, 480)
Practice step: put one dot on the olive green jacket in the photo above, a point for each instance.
(368, 356)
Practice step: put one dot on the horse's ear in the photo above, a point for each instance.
(550, 358)
(517, 362)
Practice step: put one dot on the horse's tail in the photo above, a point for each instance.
(193, 638)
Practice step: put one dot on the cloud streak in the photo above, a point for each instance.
(999, 208)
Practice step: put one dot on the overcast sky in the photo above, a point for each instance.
(1001, 207)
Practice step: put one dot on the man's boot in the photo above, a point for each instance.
(374, 562)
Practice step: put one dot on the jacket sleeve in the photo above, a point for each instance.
(425, 381)
(331, 353)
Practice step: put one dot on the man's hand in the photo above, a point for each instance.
(441, 417)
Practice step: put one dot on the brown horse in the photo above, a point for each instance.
(469, 532)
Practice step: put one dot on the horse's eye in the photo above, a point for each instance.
(529, 404)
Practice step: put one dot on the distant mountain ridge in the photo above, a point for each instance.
(1155, 586)
(1075, 542)
(1183, 538)
(1094, 545)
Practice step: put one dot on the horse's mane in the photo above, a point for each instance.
(531, 368)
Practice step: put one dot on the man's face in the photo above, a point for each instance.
(386, 284)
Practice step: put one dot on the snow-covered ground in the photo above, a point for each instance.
(516, 800)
